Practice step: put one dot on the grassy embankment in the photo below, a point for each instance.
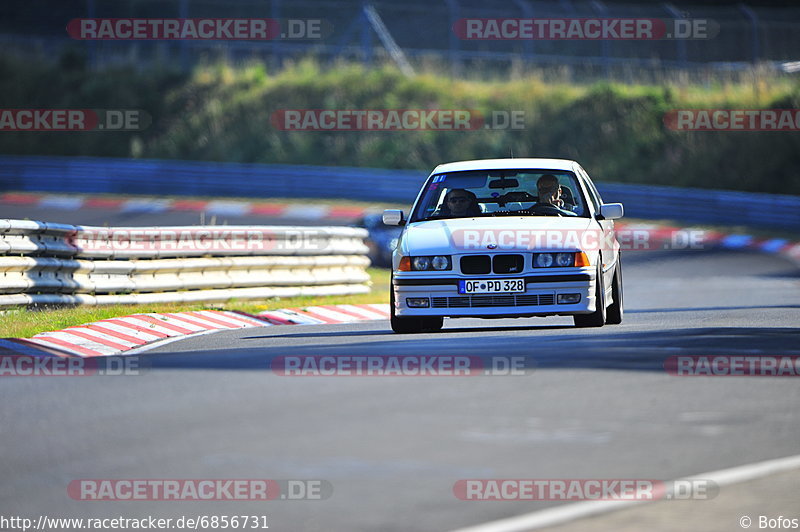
(222, 113)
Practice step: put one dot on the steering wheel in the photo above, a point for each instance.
(518, 196)
(541, 208)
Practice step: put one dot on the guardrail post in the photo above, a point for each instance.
(183, 10)
(750, 14)
(679, 43)
(395, 52)
(346, 37)
(91, 12)
(602, 10)
(455, 43)
(275, 14)
(366, 36)
(527, 44)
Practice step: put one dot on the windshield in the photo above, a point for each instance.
(483, 193)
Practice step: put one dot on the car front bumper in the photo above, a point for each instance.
(539, 299)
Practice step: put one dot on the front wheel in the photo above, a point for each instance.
(416, 325)
(615, 309)
(413, 324)
(598, 317)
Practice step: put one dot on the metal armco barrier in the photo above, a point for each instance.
(202, 178)
(717, 207)
(44, 263)
(162, 177)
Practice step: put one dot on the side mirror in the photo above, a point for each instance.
(611, 211)
(393, 217)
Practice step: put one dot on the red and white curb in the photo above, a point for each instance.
(128, 334)
(210, 207)
(326, 314)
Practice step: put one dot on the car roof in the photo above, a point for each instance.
(506, 164)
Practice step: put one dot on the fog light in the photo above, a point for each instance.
(568, 299)
(418, 302)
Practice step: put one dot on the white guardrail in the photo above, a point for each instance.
(46, 263)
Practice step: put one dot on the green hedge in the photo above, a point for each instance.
(222, 113)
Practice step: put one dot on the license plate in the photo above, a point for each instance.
(490, 286)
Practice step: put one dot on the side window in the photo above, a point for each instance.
(594, 195)
(570, 193)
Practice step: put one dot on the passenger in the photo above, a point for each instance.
(550, 196)
(567, 198)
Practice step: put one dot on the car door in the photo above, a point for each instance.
(610, 256)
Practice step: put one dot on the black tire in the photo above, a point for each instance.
(598, 317)
(413, 325)
(616, 310)
(416, 325)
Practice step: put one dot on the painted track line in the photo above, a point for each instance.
(571, 512)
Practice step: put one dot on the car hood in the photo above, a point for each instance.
(509, 233)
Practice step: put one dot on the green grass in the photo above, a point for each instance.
(24, 323)
(221, 112)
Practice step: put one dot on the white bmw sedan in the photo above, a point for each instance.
(506, 238)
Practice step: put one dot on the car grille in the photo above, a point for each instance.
(508, 263)
(476, 264)
(482, 264)
(512, 300)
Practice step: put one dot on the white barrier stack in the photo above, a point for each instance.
(45, 263)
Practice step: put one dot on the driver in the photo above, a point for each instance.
(458, 203)
(550, 196)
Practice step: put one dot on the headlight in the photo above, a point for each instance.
(543, 260)
(440, 263)
(554, 260)
(565, 259)
(421, 263)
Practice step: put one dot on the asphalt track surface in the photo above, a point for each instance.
(596, 403)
